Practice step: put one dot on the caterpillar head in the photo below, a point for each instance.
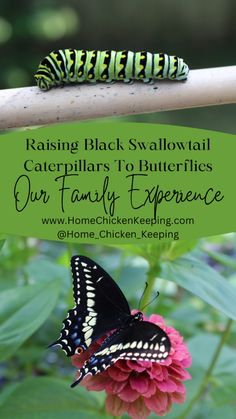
(44, 82)
(44, 77)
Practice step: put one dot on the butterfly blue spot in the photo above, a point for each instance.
(77, 341)
(93, 360)
(74, 335)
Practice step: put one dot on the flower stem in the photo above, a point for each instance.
(208, 373)
(69, 249)
(151, 276)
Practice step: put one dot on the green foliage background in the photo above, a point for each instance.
(203, 32)
(196, 281)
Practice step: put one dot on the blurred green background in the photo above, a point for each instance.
(202, 32)
(197, 285)
(35, 283)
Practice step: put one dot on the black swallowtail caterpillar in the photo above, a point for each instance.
(77, 66)
(101, 307)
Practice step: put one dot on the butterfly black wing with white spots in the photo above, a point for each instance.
(140, 341)
(100, 307)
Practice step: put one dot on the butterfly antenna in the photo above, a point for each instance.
(140, 300)
(151, 301)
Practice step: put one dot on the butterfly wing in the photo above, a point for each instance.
(100, 306)
(141, 341)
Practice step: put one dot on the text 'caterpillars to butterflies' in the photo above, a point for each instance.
(101, 309)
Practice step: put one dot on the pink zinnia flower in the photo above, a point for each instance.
(142, 387)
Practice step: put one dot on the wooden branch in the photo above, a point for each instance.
(28, 106)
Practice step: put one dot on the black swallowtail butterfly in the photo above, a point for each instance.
(76, 66)
(101, 307)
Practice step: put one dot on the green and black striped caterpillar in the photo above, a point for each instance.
(76, 66)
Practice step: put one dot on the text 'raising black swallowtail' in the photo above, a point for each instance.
(101, 308)
(67, 66)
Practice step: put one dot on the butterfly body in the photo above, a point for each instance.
(101, 309)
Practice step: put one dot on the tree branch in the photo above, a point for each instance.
(28, 106)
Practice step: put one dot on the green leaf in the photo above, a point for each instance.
(7, 391)
(191, 389)
(50, 398)
(2, 240)
(219, 412)
(41, 269)
(205, 410)
(22, 311)
(127, 275)
(221, 258)
(203, 281)
(178, 249)
(224, 392)
(202, 348)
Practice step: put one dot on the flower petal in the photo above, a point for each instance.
(138, 366)
(140, 387)
(115, 406)
(151, 389)
(138, 409)
(158, 403)
(117, 374)
(115, 387)
(178, 397)
(127, 394)
(96, 382)
(139, 383)
(167, 386)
